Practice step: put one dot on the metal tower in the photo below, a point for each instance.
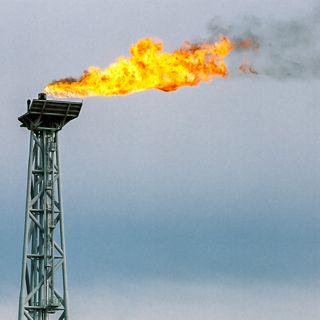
(44, 275)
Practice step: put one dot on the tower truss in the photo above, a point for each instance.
(44, 274)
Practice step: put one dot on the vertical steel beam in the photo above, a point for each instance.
(24, 280)
(43, 279)
(63, 245)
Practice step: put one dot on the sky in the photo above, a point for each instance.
(196, 204)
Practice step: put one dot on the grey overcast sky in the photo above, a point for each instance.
(196, 204)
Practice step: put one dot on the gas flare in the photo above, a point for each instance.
(247, 43)
(149, 67)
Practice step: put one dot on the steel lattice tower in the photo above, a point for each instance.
(44, 275)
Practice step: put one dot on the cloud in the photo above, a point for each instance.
(9, 300)
(171, 300)
(190, 301)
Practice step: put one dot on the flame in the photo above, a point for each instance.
(149, 67)
(247, 43)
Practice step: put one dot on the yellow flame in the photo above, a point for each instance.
(149, 67)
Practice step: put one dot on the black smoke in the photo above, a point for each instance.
(281, 49)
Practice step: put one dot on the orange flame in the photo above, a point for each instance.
(149, 68)
(248, 43)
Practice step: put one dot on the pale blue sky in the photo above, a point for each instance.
(207, 196)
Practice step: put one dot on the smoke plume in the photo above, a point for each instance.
(281, 49)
